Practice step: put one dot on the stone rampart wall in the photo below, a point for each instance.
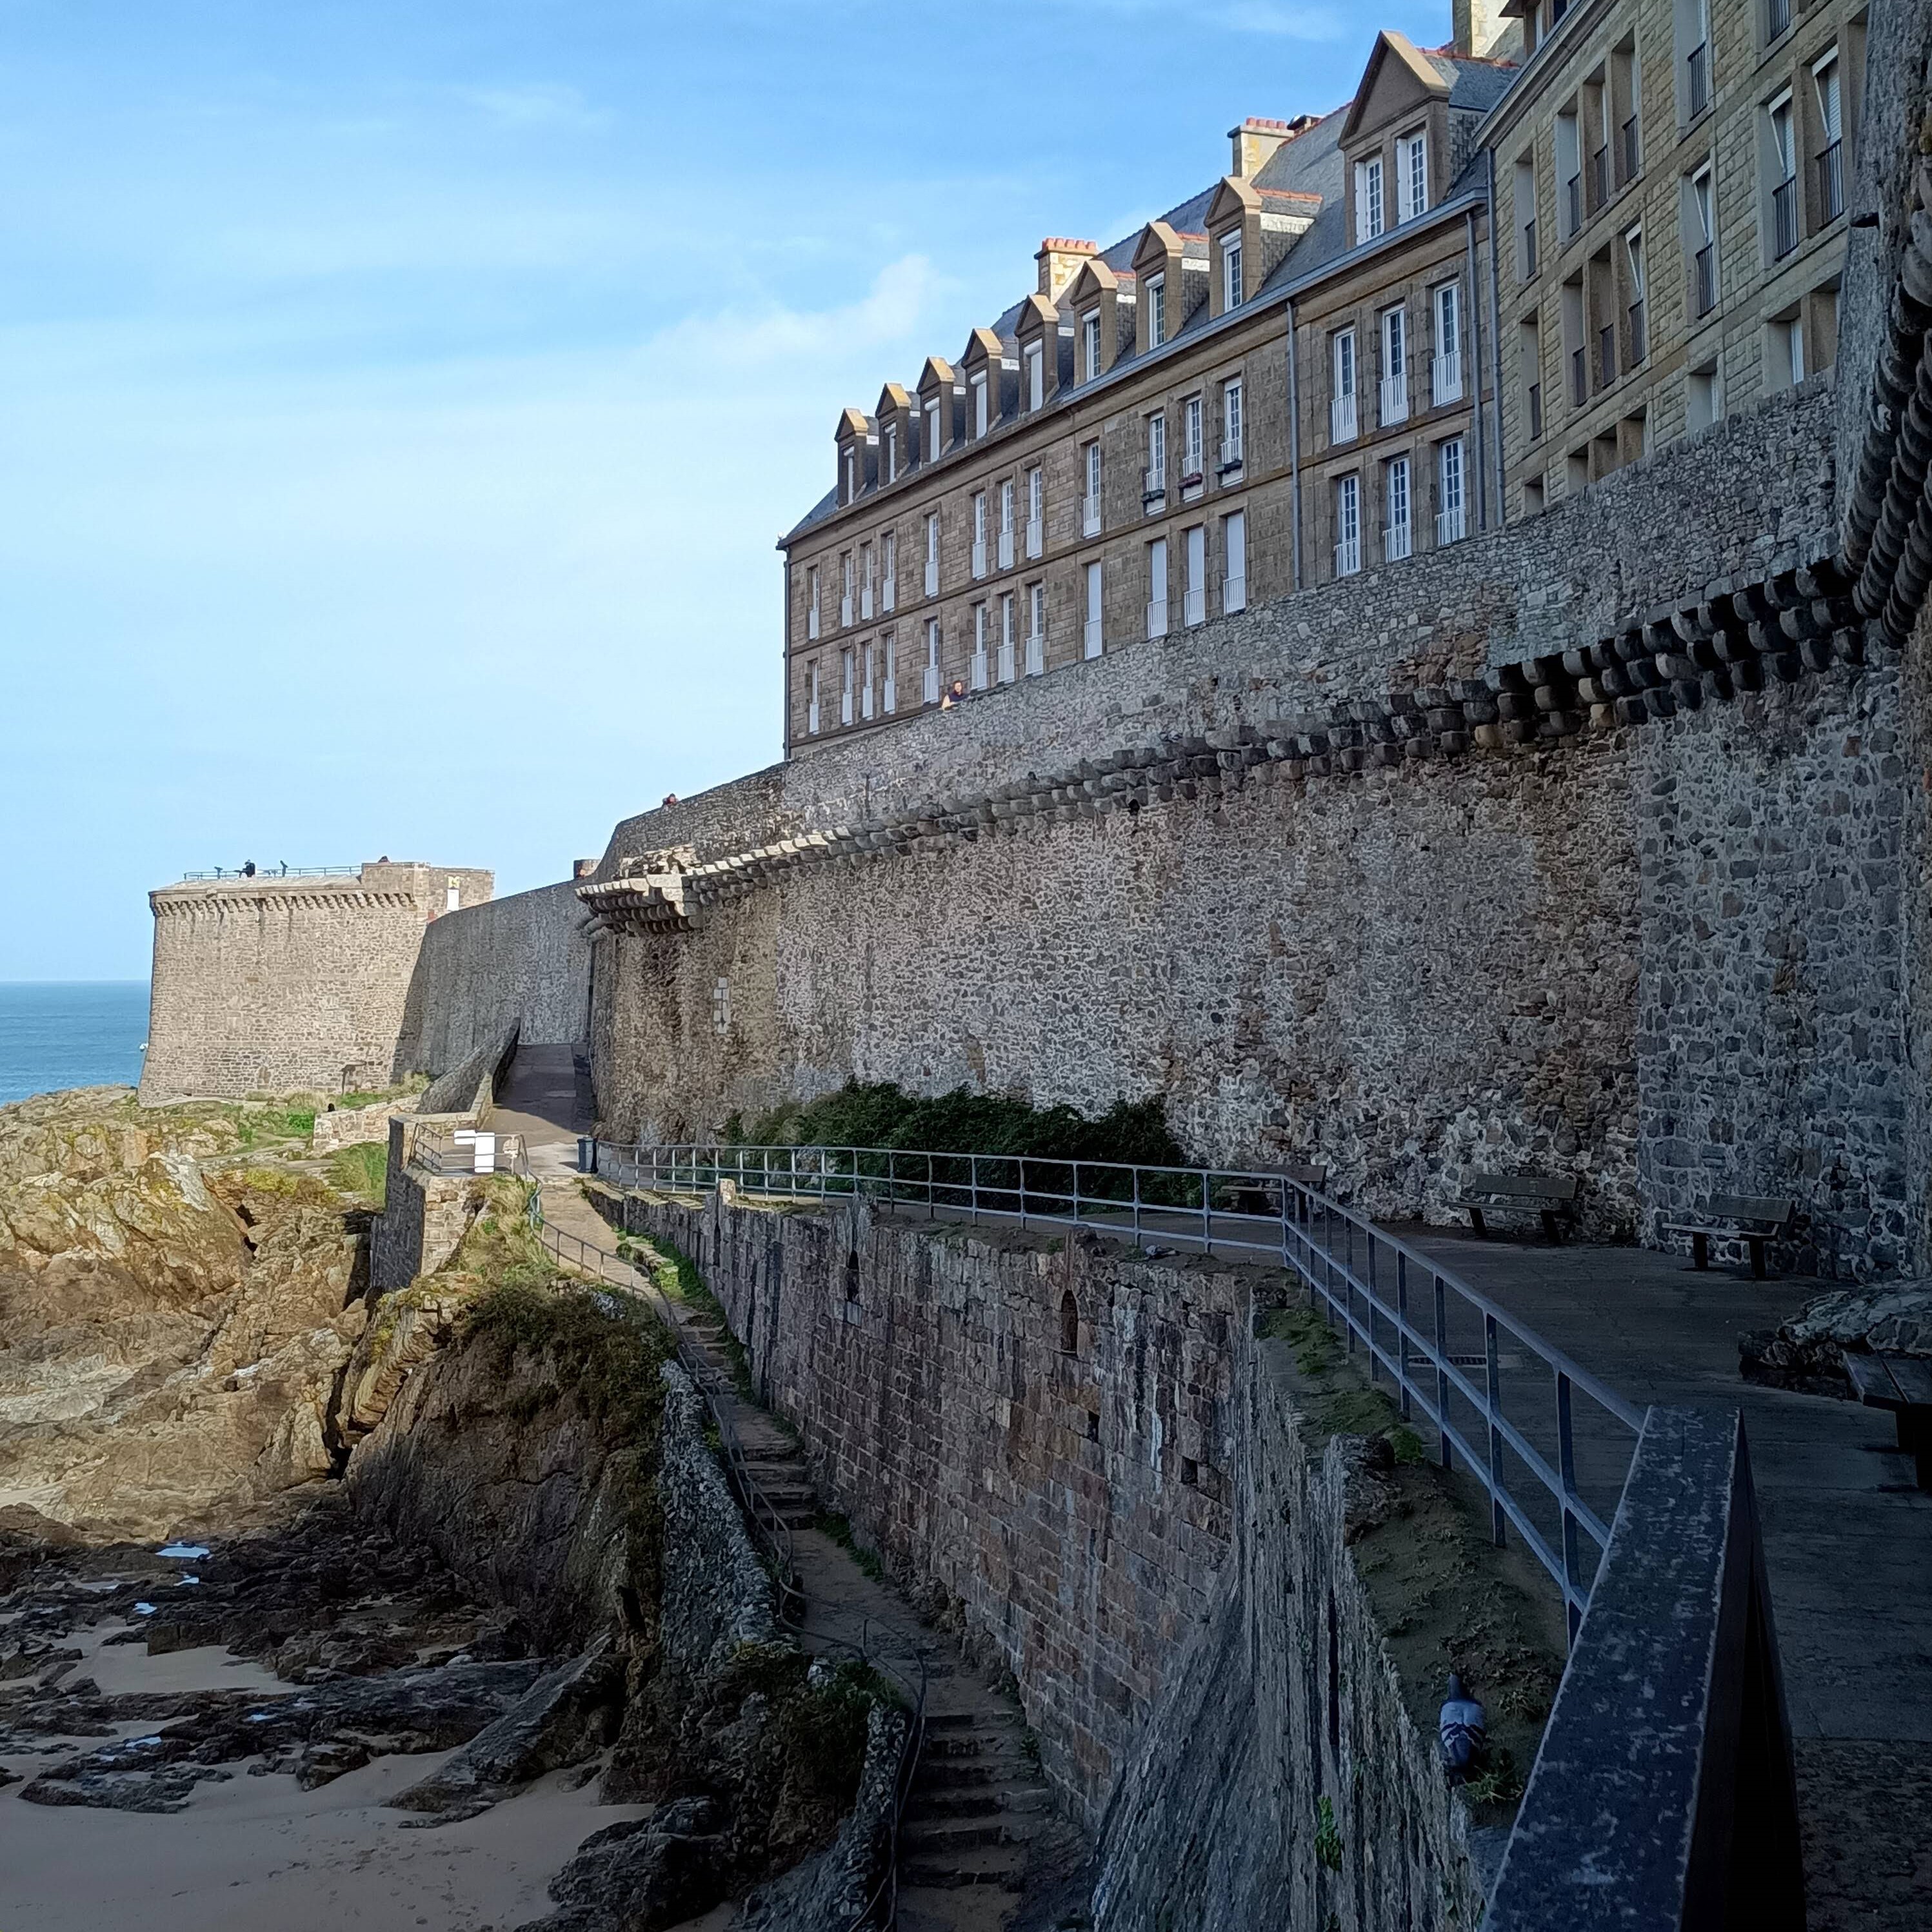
(522, 961)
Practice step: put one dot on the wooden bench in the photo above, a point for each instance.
(1757, 1220)
(1904, 1384)
(1552, 1197)
(1266, 1198)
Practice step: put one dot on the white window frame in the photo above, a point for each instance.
(1344, 377)
(1194, 586)
(932, 449)
(865, 683)
(979, 535)
(1371, 210)
(845, 595)
(1398, 510)
(1193, 453)
(1036, 636)
(1234, 426)
(1008, 670)
(847, 667)
(1006, 500)
(1036, 368)
(1452, 488)
(1392, 327)
(1089, 345)
(811, 698)
(1446, 367)
(1235, 562)
(1156, 603)
(889, 570)
(1092, 642)
(932, 553)
(1411, 169)
(889, 646)
(1231, 284)
(929, 679)
(1036, 527)
(1154, 483)
(1090, 502)
(1156, 302)
(811, 601)
(978, 669)
(1348, 526)
(982, 418)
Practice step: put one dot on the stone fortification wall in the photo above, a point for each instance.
(1525, 956)
(1135, 1527)
(522, 961)
(284, 984)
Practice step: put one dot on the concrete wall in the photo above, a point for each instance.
(523, 961)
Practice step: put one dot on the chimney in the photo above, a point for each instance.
(1059, 261)
(1482, 29)
(1255, 142)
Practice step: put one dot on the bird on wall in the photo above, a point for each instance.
(1463, 1728)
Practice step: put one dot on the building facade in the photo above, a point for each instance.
(1321, 365)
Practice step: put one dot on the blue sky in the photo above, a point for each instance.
(399, 401)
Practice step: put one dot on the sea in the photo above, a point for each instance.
(87, 1032)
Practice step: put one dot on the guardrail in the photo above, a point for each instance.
(440, 1150)
(1420, 1328)
(881, 1910)
(272, 872)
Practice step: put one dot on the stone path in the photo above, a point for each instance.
(979, 1825)
(543, 1099)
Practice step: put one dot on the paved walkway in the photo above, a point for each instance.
(545, 1099)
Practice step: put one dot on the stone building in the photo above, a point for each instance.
(272, 983)
(1321, 365)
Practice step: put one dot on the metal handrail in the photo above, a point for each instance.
(435, 1149)
(1263, 1214)
(282, 871)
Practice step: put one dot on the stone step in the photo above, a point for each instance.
(990, 1800)
(972, 1746)
(928, 1838)
(929, 1908)
(997, 1866)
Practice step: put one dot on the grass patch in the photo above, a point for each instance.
(267, 1127)
(830, 1522)
(678, 1280)
(362, 1170)
(884, 1115)
(500, 1246)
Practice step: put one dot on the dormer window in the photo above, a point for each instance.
(1369, 199)
(979, 404)
(1089, 345)
(1156, 298)
(1411, 169)
(1036, 375)
(891, 452)
(851, 475)
(1231, 269)
(932, 430)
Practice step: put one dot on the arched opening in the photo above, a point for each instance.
(1070, 1324)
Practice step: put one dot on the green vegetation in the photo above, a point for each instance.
(884, 1115)
(677, 1279)
(501, 1248)
(1342, 1405)
(267, 1127)
(830, 1522)
(1327, 1838)
(362, 1170)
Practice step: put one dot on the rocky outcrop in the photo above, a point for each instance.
(1807, 1352)
(174, 1312)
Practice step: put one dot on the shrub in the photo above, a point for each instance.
(362, 1170)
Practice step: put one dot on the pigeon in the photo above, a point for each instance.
(1462, 1731)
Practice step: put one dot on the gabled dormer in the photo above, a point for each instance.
(1160, 284)
(1395, 140)
(1249, 230)
(941, 409)
(1039, 333)
(892, 420)
(990, 397)
(1101, 305)
(856, 449)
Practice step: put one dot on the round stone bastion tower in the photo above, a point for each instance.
(273, 982)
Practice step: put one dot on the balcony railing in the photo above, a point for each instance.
(1639, 333)
(1784, 217)
(1451, 525)
(1607, 355)
(1153, 489)
(1529, 248)
(1629, 155)
(1831, 165)
(1579, 378)
(888, 594)
(1342, 419)
(1232, 457)
(1005, 661)
(929, 684)
(1036, 535)
(1089, 516)
(1445, 377)
(1157, 618)
(1599, 177)
(1348, 556)
(1398, 541)
(1394, 398)
(1697, 78)
(1233, 594)
(1535, 411)
(979, 664)
(932, 577)
(1090, 641)
(1573, 203)
(1006, 550)
(979, 556)
(1194, 604)
(1705, 277)
(1036, 654)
